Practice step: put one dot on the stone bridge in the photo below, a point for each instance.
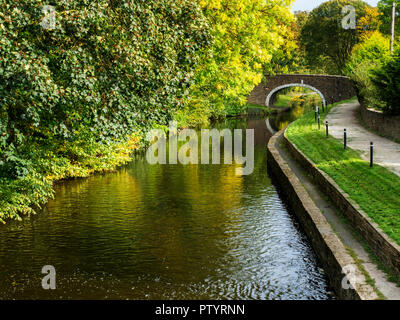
(330, 88)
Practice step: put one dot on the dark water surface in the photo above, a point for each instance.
(164, 232)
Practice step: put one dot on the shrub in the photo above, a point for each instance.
(366, 57)
(387, 81)
(76, 92)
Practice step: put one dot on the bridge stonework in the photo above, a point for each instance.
(331, 88)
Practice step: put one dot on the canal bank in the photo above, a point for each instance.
(166, 232)
(297, 184)
(326, 244)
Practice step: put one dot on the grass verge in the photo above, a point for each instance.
(376, 190)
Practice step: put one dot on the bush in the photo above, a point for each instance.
(76, 90)
(365, 58)
(387, 81)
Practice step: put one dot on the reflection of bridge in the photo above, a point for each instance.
(330, 88)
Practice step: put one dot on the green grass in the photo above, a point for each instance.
(283, 100)
(376, 190)
(256, 106)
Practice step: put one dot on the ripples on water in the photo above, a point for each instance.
(164, 232)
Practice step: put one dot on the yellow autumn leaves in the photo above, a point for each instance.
(250, 39)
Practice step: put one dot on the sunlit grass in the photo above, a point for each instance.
(376, 190)
(283, 100)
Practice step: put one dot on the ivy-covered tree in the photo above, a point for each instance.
(105, 68)
(81, 79)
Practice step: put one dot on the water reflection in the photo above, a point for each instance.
(164, 232)
(281, 120)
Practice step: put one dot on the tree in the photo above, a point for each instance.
(249, 36)
(77, 87)
(301, 18)
(366, 57)
(111, 66)
(387, 81)
(369, 23)
(324, 37)
(385, 9)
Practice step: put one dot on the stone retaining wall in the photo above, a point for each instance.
(386, 249)
(388, 126)
(326, 244)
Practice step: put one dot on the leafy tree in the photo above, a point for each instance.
(366, 57)
(77, 88)
(326, 40)
(250, 38)
(300, 52)
(385, 8)
(387, 81)
(77, 91)
(107, 67)
(369, 23)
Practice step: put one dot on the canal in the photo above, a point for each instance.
(166, 232)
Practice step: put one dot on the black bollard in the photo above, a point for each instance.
(371, 162)
(319, 122)
(345, 139)
(327, 128)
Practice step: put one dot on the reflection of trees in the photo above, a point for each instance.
(189, 210)
(283, 119)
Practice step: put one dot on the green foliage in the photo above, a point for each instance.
(385, 8)
(250, 38)
(74, 98)
(297, 97)
(77, 97)
(325, 41)
(387, 81)
(366, 57)
(112, 66)
(375, 189)
(300, 55)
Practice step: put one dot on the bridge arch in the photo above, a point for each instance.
(289, 85)
(330, 88)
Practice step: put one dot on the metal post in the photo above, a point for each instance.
(327, 128)
(371, 162)
(316, 114)
(393, 26)
(319, 122)
(345, 139)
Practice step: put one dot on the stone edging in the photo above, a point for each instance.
(330, 250)
(381, 245)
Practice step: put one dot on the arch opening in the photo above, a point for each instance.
(277, 89)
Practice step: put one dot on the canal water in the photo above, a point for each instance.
(165, 232)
